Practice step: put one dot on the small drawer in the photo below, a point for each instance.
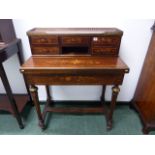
(106, 40)
(45, 50)
(75, 40)
(105, 50)
(44, 40)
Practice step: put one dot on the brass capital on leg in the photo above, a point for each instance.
(115, 89)
(34, 93)
(33, 88)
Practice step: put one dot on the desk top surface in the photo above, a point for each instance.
(72, 62)
(74, 31)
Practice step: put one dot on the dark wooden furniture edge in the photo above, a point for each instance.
(8, 47)
(20, 98)
(153, 27)
(6, 52)
(146, 126)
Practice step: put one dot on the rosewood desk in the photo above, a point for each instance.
(74, 57)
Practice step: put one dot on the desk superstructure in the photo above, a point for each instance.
(74, 56)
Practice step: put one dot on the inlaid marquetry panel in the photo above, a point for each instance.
(104, 50)
(50, 79)
(106, 40)
(45, 50)
(44, 39)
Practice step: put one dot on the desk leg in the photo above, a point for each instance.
(10, 96)
(48, 94)
(48, 102)
(34, 94)
(115, 91)
(103, 95)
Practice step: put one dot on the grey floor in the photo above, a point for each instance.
(126, 122)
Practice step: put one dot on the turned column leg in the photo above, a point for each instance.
(115, 91)
(103, 95)
(34, 93)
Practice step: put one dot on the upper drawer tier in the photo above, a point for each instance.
(106, 40)
(70, 40)
(75, 41)
(44, 39)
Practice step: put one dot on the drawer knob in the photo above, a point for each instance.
(95, 39)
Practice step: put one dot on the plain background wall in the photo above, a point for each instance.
(133, 49)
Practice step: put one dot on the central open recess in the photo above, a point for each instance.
(75, 50)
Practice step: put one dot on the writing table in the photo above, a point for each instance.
(74, 57)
